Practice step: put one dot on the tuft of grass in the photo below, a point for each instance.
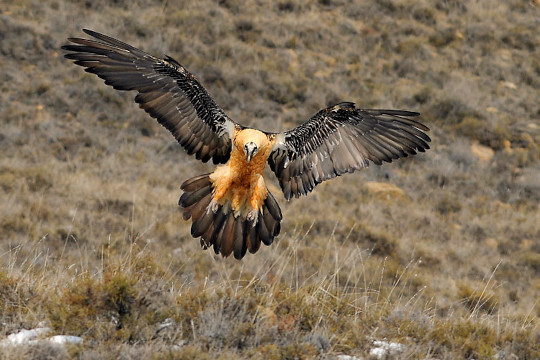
(469, 338)
(477, 300)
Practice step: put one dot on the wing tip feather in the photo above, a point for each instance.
(405, 137)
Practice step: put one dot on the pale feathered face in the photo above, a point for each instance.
(251, 141)
(250, 149)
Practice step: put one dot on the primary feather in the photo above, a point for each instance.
(166, 91)
(343, 139)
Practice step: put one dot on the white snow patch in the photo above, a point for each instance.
(24, 336)
(165, 324)
(65, 339)
(33, 337)
(348, 357)
(383, 348)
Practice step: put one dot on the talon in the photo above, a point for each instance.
(252, 215)
(214, 206)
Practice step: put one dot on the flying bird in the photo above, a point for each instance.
(231, 208)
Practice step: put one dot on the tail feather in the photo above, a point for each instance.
(227, 235)
(273, 207)
(190, 198)
(218, 226)
(201, 225)
(195, 183)
(218, 234)
(269, 222)
(220, 218)
(195, 211)
(240, 245)
(253, 240)
(263, 232)
(209, 231)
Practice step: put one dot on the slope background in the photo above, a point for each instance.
(438, 252)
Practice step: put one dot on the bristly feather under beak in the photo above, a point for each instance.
(251, 150)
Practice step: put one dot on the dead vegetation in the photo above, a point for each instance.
(445, 261)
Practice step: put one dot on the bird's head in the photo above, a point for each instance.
(250, 149)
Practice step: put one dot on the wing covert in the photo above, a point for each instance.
(166, 91)
(343, 139)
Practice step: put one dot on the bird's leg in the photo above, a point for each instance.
(221, 180)
(258, 195)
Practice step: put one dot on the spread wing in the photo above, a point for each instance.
(343, 139)
(166, 91)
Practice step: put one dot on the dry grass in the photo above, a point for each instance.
(92, 243)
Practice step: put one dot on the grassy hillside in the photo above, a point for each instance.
(444, 260)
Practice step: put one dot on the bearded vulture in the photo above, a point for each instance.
(231, 208)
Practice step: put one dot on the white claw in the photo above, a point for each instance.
(214, 206)
(252, 215)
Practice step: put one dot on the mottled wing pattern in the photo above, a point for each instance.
(343, 139)
(166, 91)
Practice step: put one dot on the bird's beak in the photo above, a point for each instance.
(251, 150)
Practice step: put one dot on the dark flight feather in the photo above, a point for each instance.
(220, 227)
(343, 139)
(166, 91)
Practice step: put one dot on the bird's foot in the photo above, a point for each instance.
(252, 215)
(214, 206)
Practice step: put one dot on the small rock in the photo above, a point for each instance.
(509, 85)
(348, 357)
(24, 336)
(165, 324)
(483, 153)
(383, 348)
(65, 339)
(507, 146)
(381, 188)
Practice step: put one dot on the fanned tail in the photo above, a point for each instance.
(217, 225)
